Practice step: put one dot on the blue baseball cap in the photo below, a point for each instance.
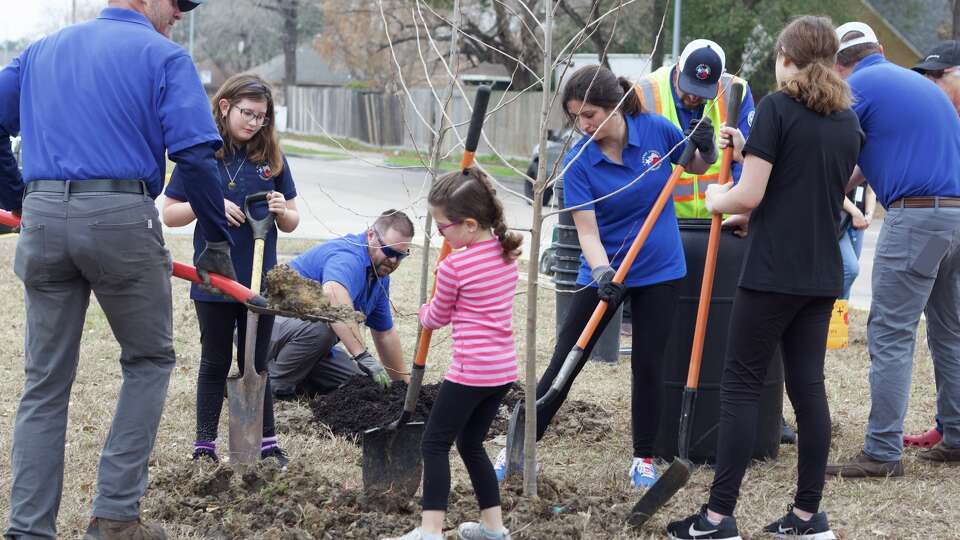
(187, 5)
(701, 65)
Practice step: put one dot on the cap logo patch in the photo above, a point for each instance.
(932, 56)
(703, 72)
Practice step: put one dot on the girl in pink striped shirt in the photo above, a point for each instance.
(475, 289)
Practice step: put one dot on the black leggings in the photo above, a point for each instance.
(759, 322)
(462, 413)
(652, 315)
(217, 323)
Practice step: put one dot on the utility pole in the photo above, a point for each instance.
(192, 13)
(676, 30)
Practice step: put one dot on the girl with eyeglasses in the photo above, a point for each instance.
(250, 162)
(475, 290)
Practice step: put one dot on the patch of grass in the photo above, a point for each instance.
(915, 506)
(499, 171)
(347, 143)
(299, 150)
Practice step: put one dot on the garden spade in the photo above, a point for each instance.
(245, 393)
(575, 358)
(677, 475)
(391, 453)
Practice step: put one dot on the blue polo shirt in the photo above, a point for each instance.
(104, 99)
(619, 218)
(250, 178)
(345, 260)
(913, 132)
(744, 123)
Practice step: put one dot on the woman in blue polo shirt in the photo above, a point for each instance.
(250, 162)
(626, 143)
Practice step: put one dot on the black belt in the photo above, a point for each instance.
(88, 186)
(926, 202)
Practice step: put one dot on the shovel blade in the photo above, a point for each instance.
(245, 399)
(392, 459)
(515, 440)
(676, 476)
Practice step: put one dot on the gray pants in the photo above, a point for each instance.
(112, 244)
(916, 270)
(303, 359)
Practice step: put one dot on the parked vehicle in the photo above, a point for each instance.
(557, 145)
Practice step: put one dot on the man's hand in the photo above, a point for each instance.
(701, 134)
(608, 290)
(215, 258)
(372, 367)
(235, 215)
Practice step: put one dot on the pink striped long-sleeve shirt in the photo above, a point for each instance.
(475, 290)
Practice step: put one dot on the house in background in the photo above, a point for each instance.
(312, 70)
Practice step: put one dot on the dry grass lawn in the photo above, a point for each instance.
(921, 505)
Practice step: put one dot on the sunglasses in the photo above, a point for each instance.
(441, 228)
(388, 251)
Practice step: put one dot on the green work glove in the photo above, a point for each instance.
(373, 368)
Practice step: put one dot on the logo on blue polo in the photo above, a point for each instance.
(264, 171)
(651, 158)
(703, 72)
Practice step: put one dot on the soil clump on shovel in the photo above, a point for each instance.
(360, 404)
(298, 503)
(289, 292)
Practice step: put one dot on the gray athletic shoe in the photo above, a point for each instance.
(471, 530)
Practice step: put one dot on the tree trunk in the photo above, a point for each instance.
(956, 19)
(289, 40)
(659, 7)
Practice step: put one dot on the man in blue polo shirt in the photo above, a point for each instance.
(911, 159)
(355, 271)
(99, 105)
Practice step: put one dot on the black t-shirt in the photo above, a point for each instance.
(793, 232)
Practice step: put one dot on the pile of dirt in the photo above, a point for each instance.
(360, 404)
(298, 503)
(288, 291)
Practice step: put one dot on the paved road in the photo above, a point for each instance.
(340, 197)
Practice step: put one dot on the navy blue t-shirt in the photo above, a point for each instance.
(913, 132)
(251, 178)
(650, 138)
(346, 261)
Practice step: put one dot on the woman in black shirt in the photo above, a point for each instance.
(803, 147)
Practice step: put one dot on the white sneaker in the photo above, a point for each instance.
(471, 530)
(416, 534)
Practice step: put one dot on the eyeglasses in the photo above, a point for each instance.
(388, 251)
(441, 228)
(251, 116)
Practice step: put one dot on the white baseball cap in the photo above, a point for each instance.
(868, 35)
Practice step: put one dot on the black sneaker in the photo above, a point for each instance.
(277, 454)
(792, 527)
(205, 453)
(698, 527)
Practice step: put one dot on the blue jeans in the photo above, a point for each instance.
(851, 243)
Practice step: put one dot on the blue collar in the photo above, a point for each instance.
(595, 154)
(872, 60)
(125, 15)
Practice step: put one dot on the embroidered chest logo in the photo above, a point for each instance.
(651, 158)
(264, 171)
(703, 72)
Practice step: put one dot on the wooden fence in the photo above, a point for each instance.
(393, 121)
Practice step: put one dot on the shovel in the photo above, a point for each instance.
(245, 393)
(515, 430)
(677, 475)
(391, 453)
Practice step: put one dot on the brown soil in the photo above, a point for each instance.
(360, 404)
(298, 503)
(288, 291)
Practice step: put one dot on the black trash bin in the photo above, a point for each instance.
(703, 445)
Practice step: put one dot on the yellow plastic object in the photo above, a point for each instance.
(839, 326)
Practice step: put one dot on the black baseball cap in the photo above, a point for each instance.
(701, 65)
(187, 5)
(943, 56)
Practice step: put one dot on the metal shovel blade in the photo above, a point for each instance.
(515, 440)
(245, 398)
(676, 476)
(392, 460)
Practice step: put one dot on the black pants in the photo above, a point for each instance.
(759, 322)
(652, 318)
(217, 323)
(462, 413)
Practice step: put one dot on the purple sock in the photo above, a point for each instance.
(268, 443)
(206, 445)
